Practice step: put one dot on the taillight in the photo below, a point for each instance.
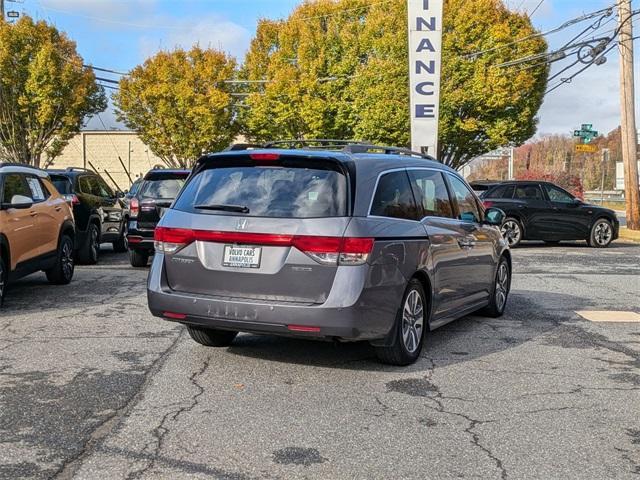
(325, 250)
(72, 199)
(264, 157)
(487, 203)
(134, 208)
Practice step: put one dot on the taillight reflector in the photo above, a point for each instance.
(176, 316)
(303, 328)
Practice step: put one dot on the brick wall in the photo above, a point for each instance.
(102, 148)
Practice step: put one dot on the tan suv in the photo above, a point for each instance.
(36, 227)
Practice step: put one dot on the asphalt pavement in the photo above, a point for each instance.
(92, 386)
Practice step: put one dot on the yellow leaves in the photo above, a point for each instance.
(46, 91)
(180, 104)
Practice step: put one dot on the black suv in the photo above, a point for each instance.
(544, 211)
(99, 212)
(156, 192)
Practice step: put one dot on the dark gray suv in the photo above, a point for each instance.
(365, 243)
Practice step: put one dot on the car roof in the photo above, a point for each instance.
(161, 172)
(376, 161)
(22, 168)
(71, 171)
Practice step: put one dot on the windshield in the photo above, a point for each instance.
(284, 192)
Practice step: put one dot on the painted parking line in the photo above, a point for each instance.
(610, 316)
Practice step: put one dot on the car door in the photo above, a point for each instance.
(534, 210)
(47, 213)
(480, 242)
(20, 225)
(568, 219)
(448, 242)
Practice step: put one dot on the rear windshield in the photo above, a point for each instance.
(282, 192)
(62, 184)
(162, 188)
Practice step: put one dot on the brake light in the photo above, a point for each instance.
(264, 157)
(303, 328)
(487, 203)
(134, 208)
(72, 199)
(325, 250)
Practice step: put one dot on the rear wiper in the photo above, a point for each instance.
(224, 208)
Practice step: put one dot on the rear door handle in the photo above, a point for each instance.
(466, 243)
(33, 214)
(58, 208)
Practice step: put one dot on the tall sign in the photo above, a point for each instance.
(425, 54)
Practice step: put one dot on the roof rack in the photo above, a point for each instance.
(16, 164)
(346, 146)
(77, 169)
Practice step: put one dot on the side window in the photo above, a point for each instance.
(14, 184)
(394, 198)
(105, 190)
(84, 183)
(557, 195)
(36, 188)
(503, 191)
(467, 207)
(529, 192)
(431, 191)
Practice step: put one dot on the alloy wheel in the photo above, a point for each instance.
(412, 321)
(603, 233)
(94, 243)
(66, 260)
(511, 232)
(502, 286)
(125, 235)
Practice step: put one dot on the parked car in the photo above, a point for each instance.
(544, 211)
(480, 187)
(36, 227)
(343, 245)
(128, 195)
(155, 194)
(99, 212)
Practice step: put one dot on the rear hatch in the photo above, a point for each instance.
(260, 227)
(157, 193)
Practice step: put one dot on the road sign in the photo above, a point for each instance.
(586, 148)
(586, 133)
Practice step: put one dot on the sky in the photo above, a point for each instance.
(120, 34)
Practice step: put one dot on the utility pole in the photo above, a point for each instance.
(628, 116)
(1, 10)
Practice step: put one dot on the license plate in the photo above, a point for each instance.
(241, 256)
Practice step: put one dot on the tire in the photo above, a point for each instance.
(62, 272)
(89, 252)
(512, 231)
(500, 292)
(210, 337)
(4, 274)
(121, 245)
(411, 323)
(601, 234)
(138, 258)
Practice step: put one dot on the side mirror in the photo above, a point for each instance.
(120, 194)
(19, 202)
(494, 216)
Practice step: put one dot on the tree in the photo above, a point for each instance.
(45, 91)
(179, 104)
(340, 69)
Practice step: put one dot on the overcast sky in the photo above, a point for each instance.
(119, 34)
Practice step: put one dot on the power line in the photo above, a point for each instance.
(535, 9)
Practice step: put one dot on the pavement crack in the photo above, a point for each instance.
(160, 432)
(102, 431)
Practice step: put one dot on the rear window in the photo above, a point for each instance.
(280, 192)
(162, 188)
(503, 191)
(62, 184)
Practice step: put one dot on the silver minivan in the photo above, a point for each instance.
(362, 243)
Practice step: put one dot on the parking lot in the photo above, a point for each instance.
(90, 383)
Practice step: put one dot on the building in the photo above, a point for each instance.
(99, 150)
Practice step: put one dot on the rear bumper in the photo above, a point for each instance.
(139, 238)
(357, 311)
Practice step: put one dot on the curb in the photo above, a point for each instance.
(632, 235)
